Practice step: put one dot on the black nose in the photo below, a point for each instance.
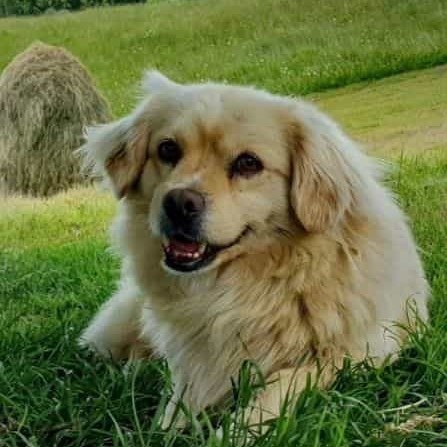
(183, 206)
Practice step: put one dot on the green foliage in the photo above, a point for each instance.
(33, 7)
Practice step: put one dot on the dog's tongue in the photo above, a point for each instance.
(183, 247)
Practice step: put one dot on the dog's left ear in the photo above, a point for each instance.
(324, 172)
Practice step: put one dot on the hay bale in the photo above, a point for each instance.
(47, 98)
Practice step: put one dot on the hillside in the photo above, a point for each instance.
(286, 46)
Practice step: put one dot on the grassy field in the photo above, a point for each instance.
(404, 114)
(287, 46)
(55, 268)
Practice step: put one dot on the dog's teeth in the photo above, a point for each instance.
(188, 256)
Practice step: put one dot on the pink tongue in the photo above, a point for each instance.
(185, 247)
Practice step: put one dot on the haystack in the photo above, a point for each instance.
(47, 97)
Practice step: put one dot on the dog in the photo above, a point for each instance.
(251, 227)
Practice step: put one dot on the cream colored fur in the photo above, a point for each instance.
(326, 270)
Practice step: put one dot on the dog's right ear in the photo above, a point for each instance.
(118, 152)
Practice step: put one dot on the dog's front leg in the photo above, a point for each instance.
(114, 331)
(281, 394)
(173, 415)
(174, 412)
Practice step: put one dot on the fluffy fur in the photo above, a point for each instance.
(325, 271)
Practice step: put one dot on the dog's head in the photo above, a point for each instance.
(227, 170)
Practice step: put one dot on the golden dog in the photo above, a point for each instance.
(251, 227)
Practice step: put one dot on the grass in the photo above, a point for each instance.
(285, 46)
(55, 268)
(51, 393)
(404, 114)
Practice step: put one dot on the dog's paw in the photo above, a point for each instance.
(100, 347)
(173, 416)
(239, 434)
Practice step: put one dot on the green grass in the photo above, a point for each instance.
(404, 114)
(51, 393)
(286, 46)
(55, 268)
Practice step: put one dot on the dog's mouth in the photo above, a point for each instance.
(184, 254)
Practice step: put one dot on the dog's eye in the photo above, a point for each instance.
(246, 165)
(169, 152)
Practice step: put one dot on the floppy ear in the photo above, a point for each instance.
(325, 177)
(118, 152)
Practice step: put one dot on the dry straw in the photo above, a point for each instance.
(47, 97)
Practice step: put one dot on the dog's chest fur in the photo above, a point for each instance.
(256, 309)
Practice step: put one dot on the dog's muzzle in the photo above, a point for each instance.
(181, 223)
(183, 209)
(186, 248)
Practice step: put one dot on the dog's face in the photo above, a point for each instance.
(226, 170)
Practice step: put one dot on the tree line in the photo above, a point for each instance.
(30, 7)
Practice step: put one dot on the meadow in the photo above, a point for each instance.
(286, 46)
(56, 269)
